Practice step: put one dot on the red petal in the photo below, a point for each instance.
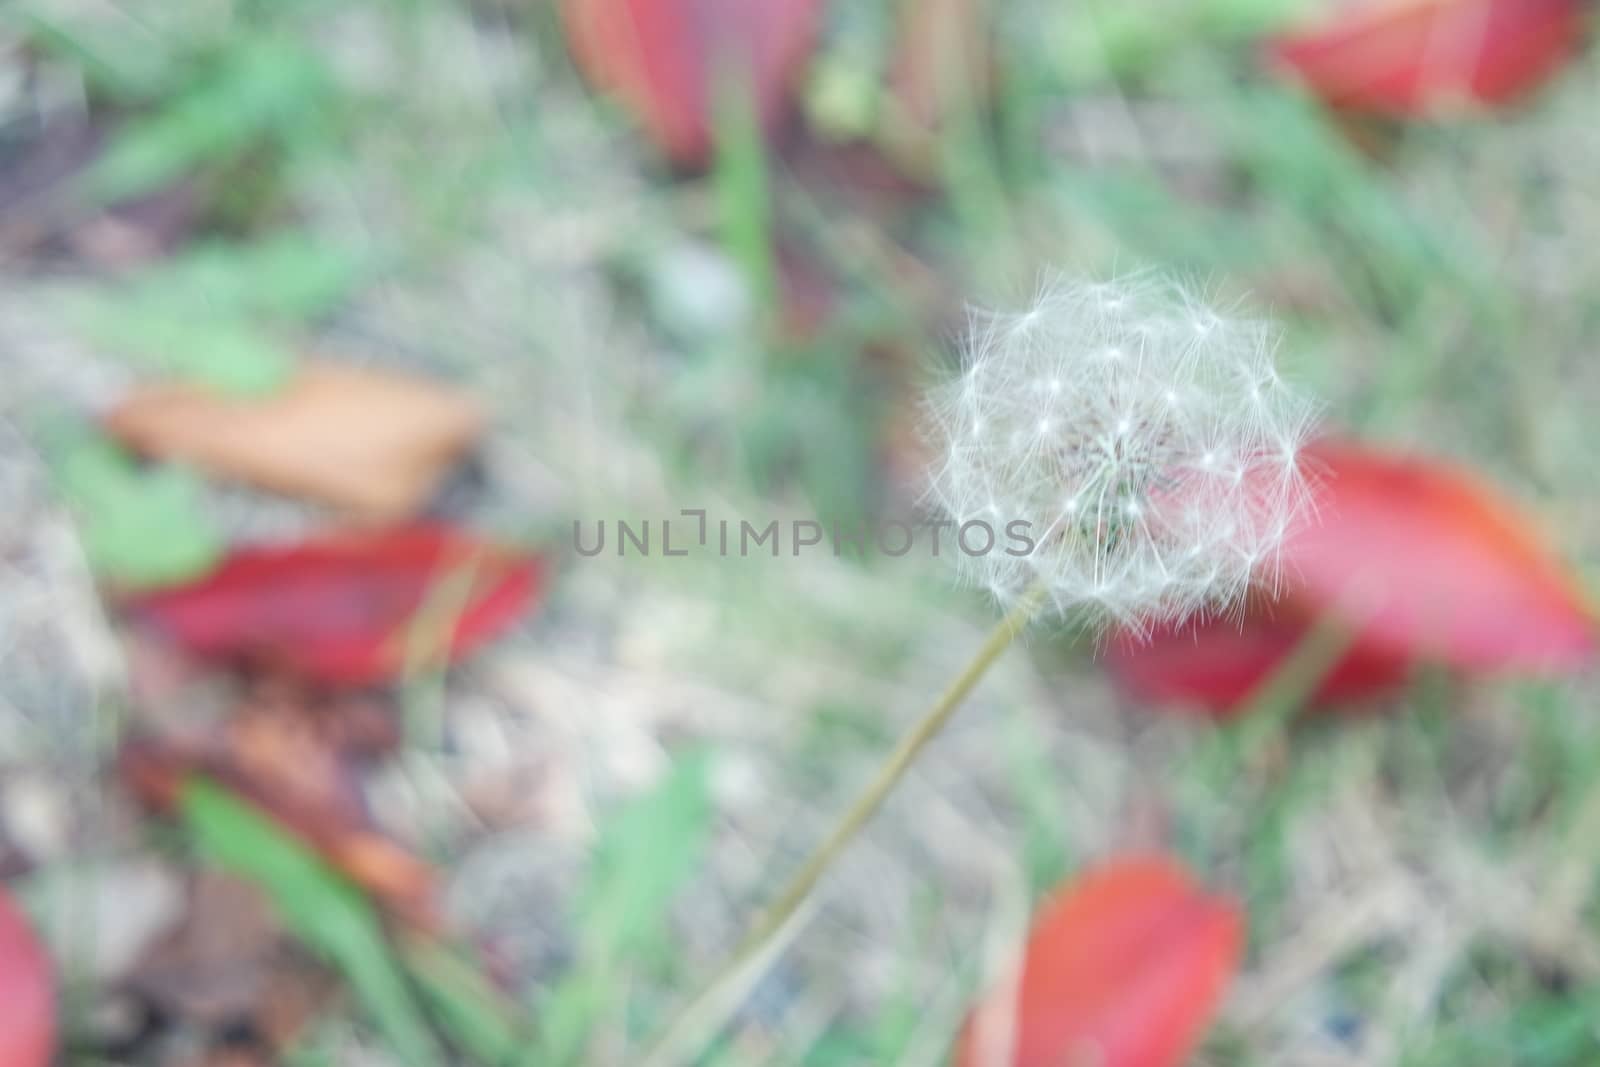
(1123, 968)
(1421, 57)
(340, 609)
(1215, 664)
(1428, 564)
(661, 58)
(27, 993)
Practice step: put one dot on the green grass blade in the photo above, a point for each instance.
(317, 905)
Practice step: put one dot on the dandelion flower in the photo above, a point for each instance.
(1145, 439)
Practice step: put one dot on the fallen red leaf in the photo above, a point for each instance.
(1415, 58)
(1428, 563)
(1123, 968)
(27, 993)
(662, 59)
(347, 609)
(1215, 664)
(1419, 559)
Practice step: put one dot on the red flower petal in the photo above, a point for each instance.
(1422, 57)
(662, 59)
(27, 993)
(1427, 563)
(341, 609)
(1214, 664)
(1123, 968)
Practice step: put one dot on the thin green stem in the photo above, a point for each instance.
(752, 949)
(1268, 709)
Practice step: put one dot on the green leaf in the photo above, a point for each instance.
(219, 315)
(225, 353)
(261, 89)
(289, 277)
(567, 1014)
(740, 182)
(645, 854)
(813, 422)
(477, 1017)
(1132, 37)
(139, 528)
(99, 50)
(319, 906)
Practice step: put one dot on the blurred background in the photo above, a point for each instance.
(321, 326)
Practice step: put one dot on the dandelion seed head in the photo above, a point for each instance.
(1146, 438)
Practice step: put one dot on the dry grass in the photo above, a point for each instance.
(1415, 879)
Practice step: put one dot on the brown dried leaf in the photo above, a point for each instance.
(296, 762)
(374, 443)
(231, 972)
(41, 218)
(228, 1056)
(212, 969)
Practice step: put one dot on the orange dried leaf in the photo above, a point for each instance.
(297, 764)
(1124, 967)
(374, 443)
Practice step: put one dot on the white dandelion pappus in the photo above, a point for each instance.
(1146, 439)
